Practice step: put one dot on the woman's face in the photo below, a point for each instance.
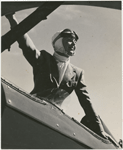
(69, 44)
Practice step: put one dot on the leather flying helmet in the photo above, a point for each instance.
(64, 33)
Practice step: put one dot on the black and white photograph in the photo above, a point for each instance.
(61, 74)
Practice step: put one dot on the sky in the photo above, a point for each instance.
(98, 53)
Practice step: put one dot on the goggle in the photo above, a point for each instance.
(66, 33)
(69, 33)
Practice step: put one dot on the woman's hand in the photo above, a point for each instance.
(12, 19)
(104, 135)
(10, 16)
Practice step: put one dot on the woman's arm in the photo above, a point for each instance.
(91, 118)
(25, 43)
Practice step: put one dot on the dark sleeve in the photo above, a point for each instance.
(91, 119)
(29, 50)
(83, 97)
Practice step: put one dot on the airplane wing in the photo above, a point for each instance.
(43, 10)
(29, 122)
(8, 7)
(39, 14)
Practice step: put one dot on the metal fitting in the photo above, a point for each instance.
(57, 125)
(9, 101)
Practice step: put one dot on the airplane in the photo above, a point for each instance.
(32, 123)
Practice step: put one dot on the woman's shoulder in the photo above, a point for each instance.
(77, 69)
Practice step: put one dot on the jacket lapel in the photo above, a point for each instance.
(54, 72)
(70, 74)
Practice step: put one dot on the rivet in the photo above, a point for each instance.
(57, 125)
(44, 102)
(74, 134)
(9, 101)
(8, 87)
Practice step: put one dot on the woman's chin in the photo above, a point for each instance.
(72, 53)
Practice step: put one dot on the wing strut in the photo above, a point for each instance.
(38, 15)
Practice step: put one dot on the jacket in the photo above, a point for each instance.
(46, 76)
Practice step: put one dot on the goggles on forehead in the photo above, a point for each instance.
(69, 33)
(65, 33)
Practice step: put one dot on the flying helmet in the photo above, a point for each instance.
(64, 33)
